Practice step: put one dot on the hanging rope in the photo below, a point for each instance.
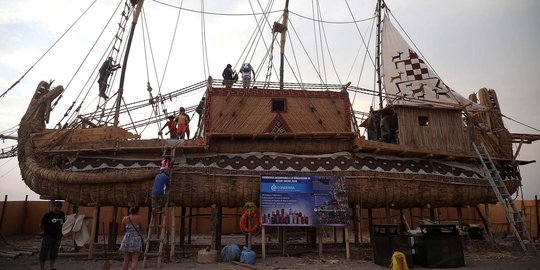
(521, 123)
(46, 52)
(206, 66)
(320, 40)
(155, 106)
(73, 115)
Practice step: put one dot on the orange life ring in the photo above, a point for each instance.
(254, 222)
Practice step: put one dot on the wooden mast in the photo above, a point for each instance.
(124, 63)
(378, 53)
(283, 39)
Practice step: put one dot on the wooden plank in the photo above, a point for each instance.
(93, 233)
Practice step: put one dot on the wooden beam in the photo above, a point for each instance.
(93, 234)
(526, 138)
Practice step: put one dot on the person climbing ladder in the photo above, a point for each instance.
(104, 72)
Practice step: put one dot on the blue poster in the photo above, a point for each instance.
(291, 200)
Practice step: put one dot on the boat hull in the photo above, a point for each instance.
(231, 180)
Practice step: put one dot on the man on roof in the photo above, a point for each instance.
(229, 76)
(246, 71)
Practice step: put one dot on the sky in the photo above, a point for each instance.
(470, 44)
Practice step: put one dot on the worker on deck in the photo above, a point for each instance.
(104, 72)
(246, 71)
(182, 121)
(171, 124)
(229, 76)
(387, 134)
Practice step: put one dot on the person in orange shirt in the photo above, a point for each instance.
(182, 121)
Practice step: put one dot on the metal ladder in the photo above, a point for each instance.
(160, 224)
(504, 197)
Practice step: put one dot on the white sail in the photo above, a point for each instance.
(407, 78)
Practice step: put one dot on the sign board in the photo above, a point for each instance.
(303, 201)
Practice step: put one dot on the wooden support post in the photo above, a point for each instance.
(263, 242)
(537, 217)
(460, 217)
(321, 237)
(412, 217)
(347, 246)
(25, 213)
(97, 226)
(388, 214)
(75, 211)
(93, 234)
(355, 223)
(3, 211)
(404, 226)
(149, 214)
(432, 214)
(213, 225)
(485, 222)
(343, 235)
(312, 232)
(360, 231)
(190, 225)
(173, 235)
(370, 223)
(183, 229)
(283, 243)
(335, 234)
(113, 229)
(218, 228)
(488, 221)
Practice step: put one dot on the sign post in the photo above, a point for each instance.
(303, 201)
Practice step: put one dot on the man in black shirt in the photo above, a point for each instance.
(229, 76)
(51, 224)
(106, 69)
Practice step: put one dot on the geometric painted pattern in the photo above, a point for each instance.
(297, 163)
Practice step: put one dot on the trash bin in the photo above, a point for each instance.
(386, 240)
(439, 245)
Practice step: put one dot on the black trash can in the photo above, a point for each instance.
(440, 246)
(386, 240)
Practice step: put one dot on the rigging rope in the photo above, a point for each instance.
(206, 66)
(296, 61)
(73, 115)
(315, 35)
(50, 48)
(155, 106)
(360, 33)
(262, 13)
(317, 70)
(16, 166)
(531, 127)
(320, 40)
(329, 54)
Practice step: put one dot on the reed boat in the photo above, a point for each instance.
(284, 129)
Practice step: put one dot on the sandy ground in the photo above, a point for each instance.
(478, 255)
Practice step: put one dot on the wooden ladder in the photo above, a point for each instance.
(159, 224)
(504, 197)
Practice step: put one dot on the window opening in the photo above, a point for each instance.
(278, 105)
(423, 121)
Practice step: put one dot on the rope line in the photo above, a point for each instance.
(46, 52)
(261, 13)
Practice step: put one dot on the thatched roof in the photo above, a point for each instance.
(250, 111)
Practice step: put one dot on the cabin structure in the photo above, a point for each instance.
(439, 128)
(288, 121)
